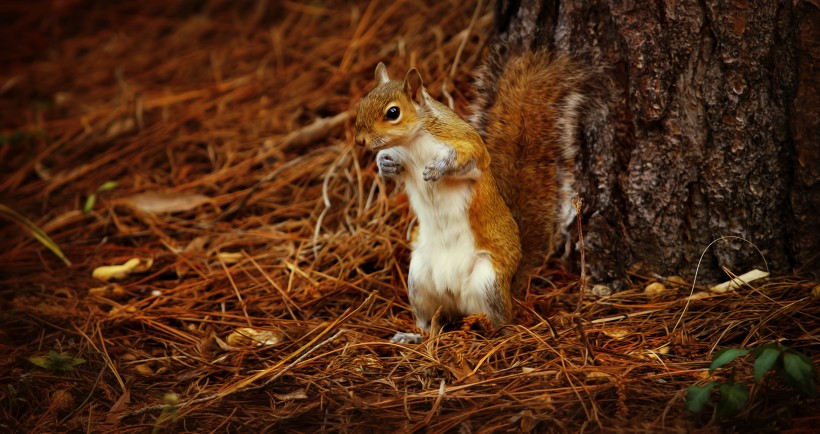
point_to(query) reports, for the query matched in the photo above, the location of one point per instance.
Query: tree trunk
(713, 132)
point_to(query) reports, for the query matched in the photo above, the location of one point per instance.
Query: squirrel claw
(440, 167)
(388, 165)
(434, 171)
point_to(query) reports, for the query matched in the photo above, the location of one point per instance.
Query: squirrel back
(528, 109)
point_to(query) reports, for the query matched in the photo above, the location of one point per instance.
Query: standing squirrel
(467, 249)
(478, 205)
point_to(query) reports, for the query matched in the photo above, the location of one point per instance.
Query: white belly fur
(446, 268)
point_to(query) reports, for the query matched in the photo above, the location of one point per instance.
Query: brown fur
(496, 232)
(529, 123)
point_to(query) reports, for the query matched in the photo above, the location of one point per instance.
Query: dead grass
(245, 104)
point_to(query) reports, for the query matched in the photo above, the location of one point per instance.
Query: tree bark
(713, 132)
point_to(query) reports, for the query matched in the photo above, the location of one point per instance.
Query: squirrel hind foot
(407, 338)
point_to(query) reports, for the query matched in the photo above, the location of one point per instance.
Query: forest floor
(211, 143)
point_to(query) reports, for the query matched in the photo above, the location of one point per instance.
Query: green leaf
(108, 185)
(798, 371)
(55, 361)
(90, 201)
(732, 398)
(723, 357)
(40, 361)
(765, 358)
(759, 350)
(698, 396)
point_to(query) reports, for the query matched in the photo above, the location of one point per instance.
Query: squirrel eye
(392, 113)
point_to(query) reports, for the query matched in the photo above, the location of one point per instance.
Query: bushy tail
(529, 106)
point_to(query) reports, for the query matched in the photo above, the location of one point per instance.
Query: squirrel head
(389, 114)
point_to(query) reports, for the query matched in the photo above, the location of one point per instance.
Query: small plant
(91, 200)
(794, 368)
(55, 361)
(170, 412)
(13, 401)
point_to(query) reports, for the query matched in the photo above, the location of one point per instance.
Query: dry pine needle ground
(278, 258)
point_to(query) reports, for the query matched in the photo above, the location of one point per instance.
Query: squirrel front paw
(440, 167)
(389, 164)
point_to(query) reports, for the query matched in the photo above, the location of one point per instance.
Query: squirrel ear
(381, 74)
(414, 86)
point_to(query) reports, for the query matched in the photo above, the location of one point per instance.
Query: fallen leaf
(143, 369)
(676, 280)
(193, 252)
(598, 375)
(601, 290)
(367, 364)
(224, 345)
(113, 413)
(156, 202)
(196, 247)
(296, 394)
(527, 421)
(116, 310)
(120, 127)
(247, 336)
(616, 333)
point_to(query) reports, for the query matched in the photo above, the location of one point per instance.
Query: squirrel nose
(360, 140)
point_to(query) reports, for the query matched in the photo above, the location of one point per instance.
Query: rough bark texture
(713, 131)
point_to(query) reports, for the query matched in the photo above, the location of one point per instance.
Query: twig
(579, 322)
(577, 202)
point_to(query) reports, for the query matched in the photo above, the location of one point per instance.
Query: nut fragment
(116, 272)
(61, 399)
(655, 288)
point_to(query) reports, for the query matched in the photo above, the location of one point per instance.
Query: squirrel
(466, 248)
(480, 208)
